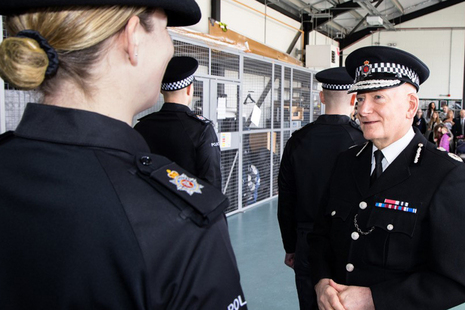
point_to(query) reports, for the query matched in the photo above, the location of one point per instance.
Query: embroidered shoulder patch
(202, 119)
(184, 183)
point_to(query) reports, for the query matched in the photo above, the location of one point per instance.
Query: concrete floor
(268, 284)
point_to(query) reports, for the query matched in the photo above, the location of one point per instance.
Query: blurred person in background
(430, 111)
(420, 122)
(433, 122)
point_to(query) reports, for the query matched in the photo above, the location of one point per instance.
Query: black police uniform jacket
(306, 166)
(90, 220)
(187, 139)
(411, 256)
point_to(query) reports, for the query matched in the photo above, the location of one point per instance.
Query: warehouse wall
(242, 17)
(438, 39)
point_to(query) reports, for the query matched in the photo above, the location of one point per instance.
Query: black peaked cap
(179, 73)
(380, 67)
(335, 79)
(179, 12)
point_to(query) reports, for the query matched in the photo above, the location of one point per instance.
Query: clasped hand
(334, 296)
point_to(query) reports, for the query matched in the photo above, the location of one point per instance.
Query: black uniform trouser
(305, 287)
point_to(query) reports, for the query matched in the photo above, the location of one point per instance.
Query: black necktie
(378, 166)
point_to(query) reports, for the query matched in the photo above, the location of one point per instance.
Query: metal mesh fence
(257, 84)
(301, 104)
(225, 65)
(230, 164)
(227, 111)
(287, 97)
(256, 167)
(276, 162)
(277, 97)
(316, 105)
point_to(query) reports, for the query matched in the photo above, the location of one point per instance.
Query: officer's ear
(352, 99)
(190, 89)
(413, 102)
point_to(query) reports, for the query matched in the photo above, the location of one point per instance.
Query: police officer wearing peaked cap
(306, 167)
(390, 235)
(89, 218)
(178, 133)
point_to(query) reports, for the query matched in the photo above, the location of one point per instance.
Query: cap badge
(184, 183)
(366, 69)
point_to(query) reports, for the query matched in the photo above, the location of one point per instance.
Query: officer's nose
(365, 107)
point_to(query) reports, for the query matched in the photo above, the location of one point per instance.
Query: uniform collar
(176, 107)
(78, 127)
(333, 119)
(394, 149)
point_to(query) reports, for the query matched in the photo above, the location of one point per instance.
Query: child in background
(444, 137)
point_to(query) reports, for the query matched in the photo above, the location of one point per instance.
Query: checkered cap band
(397, 69)
(178, 84)
(336, 86)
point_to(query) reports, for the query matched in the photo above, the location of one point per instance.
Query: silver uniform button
(390, 227)
(363, 205)
(333, 213)
(350, 267)
(355, 235)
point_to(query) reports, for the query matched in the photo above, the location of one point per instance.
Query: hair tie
(49, 50)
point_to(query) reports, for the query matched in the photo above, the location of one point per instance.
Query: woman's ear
(131, 33)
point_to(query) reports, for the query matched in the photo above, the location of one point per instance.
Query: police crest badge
(184, 183)
(366, 69)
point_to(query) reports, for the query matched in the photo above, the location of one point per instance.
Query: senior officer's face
(386, 115)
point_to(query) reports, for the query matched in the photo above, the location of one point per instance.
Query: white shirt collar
(393, 150)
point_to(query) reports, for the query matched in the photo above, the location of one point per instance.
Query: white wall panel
(438, 39)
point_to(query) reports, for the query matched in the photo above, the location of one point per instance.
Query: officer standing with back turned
(305, 170)
(178, 133)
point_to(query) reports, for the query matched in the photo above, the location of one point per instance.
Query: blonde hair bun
(23, 62)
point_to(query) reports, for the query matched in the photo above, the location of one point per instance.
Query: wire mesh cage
(227, 112)
(301, 103)
(230, 163)
(287, 97)
(257, 84)
(256, 170)
(277, 97)
(225, 64)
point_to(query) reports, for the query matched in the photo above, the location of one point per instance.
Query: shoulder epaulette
(197, 199)
(6, 136)
(201, 118)
(362, 149)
